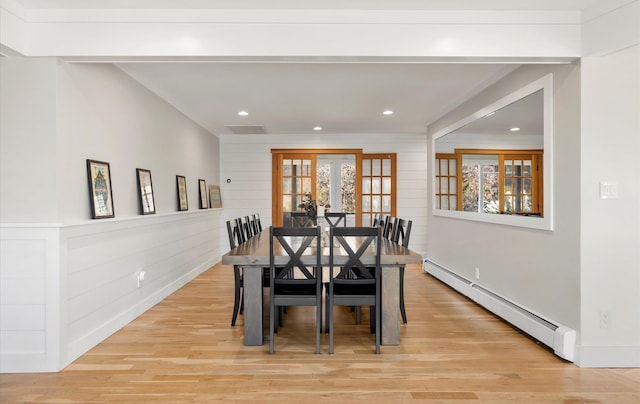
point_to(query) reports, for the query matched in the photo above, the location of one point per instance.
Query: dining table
(253, 256)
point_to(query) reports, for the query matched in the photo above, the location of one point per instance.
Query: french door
(295, 173)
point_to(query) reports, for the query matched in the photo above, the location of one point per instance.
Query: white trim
(608, 356)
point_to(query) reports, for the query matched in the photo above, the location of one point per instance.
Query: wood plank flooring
(183, 350)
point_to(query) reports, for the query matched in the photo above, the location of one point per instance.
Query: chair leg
(403, 312)
(237, 297)
(330, 319)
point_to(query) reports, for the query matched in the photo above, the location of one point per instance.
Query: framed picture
(182, 192)
(202, 187)
(214, 196)
(101, 198)
(145, 192)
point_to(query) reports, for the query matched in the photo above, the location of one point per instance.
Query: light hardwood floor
(184, 351)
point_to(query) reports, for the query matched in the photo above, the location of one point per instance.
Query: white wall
(610, 237)
(68, 282)
(246, 161)
(538, 269)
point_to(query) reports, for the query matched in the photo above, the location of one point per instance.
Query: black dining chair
(351, 283)
(401, 236)
(238, 302)
(301, 219)
(258, 222)
(296, 283)
(336, 219)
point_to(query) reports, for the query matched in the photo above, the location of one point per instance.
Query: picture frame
(181, 183)
(202, 188)
(145, 192)
(215, 197)
(100, 192)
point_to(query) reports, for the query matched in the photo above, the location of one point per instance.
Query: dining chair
(248, 227)
(295, 283)
(348, 290)
(389, 226)
(301, 219)
(258, 222)
(401, 236)
(238, 303)
(254, 224)
(335, 219)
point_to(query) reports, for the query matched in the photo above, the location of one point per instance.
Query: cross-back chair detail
(336, 219)
(297, 283)
(363, 289)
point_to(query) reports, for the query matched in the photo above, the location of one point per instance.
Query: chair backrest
(254, 224)
(258, 222)
(232, 230)
(376, 218)
(402, 232)
(295, 242)
(301, 219)
(334, 219)
(389, 226)
(241, 235)
(344, 237)
(248, 227)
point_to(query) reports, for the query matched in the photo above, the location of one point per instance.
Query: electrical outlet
(605, 319)
(477, 273)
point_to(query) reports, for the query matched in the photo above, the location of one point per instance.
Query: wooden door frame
(276, 185)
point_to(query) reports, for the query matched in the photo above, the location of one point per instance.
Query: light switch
(608, 190)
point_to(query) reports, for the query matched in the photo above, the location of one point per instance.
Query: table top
(255, 252)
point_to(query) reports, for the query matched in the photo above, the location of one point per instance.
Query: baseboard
(608, 356)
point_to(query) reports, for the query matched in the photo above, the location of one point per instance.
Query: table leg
(390, 313)
(253, 306)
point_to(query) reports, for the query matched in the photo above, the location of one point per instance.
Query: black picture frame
(145, 192)
(100, 191)
(202, 189)
(181, 183)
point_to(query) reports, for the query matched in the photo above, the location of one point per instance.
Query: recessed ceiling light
(317, 128)
(243, 113)
(514, 129)
(387, 112)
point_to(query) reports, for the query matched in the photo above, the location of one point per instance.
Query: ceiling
(341, 96)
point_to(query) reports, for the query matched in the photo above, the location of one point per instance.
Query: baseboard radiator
(560, 338)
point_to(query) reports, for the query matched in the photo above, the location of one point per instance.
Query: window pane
(443, 167)
(386, 167)
(386, 185)
(527, 168)
(306, 171)
(297, 186)
(297, 167)
(286, 185)
(508, 189)
(366, 203)
(375, 186)
(444, 203)
(348, 187)
(375, 204)
(366, 219)
(452, 185)
(526, 204)
(527, 186)
(386, 203)
(366, 167)
(286, 203)
(366, 185)
(286, 168)
(517, 168)
(297, 200)
(375, 167)
(508, 204)
(453, 202)
(452, 167)
(444, 185)
(306, 185)
(508, 168)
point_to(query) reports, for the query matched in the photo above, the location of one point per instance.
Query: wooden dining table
(253, 256)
